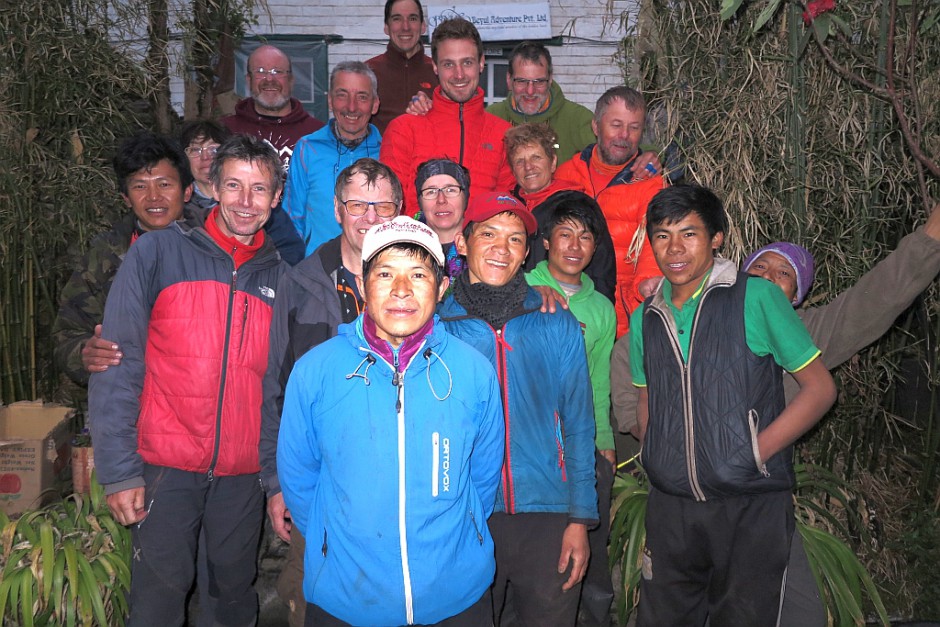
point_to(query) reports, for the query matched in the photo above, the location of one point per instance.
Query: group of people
(395, 333)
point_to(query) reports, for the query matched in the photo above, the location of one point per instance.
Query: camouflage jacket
(81, 301)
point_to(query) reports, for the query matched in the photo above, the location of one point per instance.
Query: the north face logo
(266, 291)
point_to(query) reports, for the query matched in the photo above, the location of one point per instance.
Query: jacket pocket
(752, 419)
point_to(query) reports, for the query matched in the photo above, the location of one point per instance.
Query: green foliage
(65, 564)
(820, 497)
(808, 143)
(67, 96)
(627, 536)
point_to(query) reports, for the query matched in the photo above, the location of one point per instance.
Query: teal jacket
(598, 324)
(570, 121)
(308, 196)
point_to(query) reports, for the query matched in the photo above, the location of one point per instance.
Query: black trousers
(480, 614)
(229, 510)
(597, 589)
(527, 550)
(725, 559)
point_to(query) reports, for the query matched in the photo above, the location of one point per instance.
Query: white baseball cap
(401, 230)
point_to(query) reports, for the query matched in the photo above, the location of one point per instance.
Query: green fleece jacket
(598, 324)
(570, 121)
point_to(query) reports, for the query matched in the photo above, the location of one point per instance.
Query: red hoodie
(280, 132)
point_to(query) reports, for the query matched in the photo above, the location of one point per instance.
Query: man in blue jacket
(319, 157)
(547, 499)
(407, 541)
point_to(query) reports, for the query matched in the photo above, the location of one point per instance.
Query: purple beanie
(799, 258)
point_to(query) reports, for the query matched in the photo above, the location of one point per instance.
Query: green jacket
(598, 324)
(570, 121)
(81, 301)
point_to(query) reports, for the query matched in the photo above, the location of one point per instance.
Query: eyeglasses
(199, 151)
(449, 191)
(383, 209)
(260, 72)
(522, 83)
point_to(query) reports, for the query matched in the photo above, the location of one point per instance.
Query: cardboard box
(34, 450)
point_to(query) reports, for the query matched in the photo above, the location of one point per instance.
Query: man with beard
(271, 113)
(604, 171)
(319, 157)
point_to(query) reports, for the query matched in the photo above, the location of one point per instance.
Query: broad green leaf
(48, 558)
(729, 8)
(766, 14)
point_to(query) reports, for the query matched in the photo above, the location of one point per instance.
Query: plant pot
(83, 463)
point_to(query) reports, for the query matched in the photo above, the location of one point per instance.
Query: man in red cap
(546, 500)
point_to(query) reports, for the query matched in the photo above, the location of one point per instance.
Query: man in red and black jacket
(176, 425)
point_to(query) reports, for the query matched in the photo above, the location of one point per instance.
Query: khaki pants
(290, 585)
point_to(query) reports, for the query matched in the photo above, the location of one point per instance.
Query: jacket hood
(558, 101)
(542, 276)
(724, 273)
(426, 357)
(245, 109)
(266, 255)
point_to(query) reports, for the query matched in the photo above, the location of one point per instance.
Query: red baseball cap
(485, 206)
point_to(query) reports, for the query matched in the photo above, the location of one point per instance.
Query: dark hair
(414, 250)
(674, 203)
(195, 130)
(540, 134)
(577, 207)
(252, 149)
(533, 52)
(632, 100)
(455, 28)
(142, 151)
(373, 171)
(390, 3)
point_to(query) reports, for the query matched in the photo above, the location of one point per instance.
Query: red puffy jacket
(463, 132)
(623, 201)
(194, 332)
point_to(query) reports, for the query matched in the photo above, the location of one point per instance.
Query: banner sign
(499, 22)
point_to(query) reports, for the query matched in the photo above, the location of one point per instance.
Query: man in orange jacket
(604, 170)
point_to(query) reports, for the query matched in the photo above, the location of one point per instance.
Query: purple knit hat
(799, 258)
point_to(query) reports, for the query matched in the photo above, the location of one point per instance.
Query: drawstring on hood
(365, 375)
(427, 354)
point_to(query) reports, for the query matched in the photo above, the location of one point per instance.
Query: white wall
(584, 65)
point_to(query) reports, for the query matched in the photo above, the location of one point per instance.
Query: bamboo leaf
(92, 591)
(729, 8)
(6, 584)
(765, 15)
(26, 600)
(71, 566)
(58, 581)
(48, 559)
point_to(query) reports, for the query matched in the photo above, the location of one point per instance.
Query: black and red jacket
(194, 333)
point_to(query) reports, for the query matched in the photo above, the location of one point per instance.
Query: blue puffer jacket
(548, 411)
(391, 476)
(308, 196)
